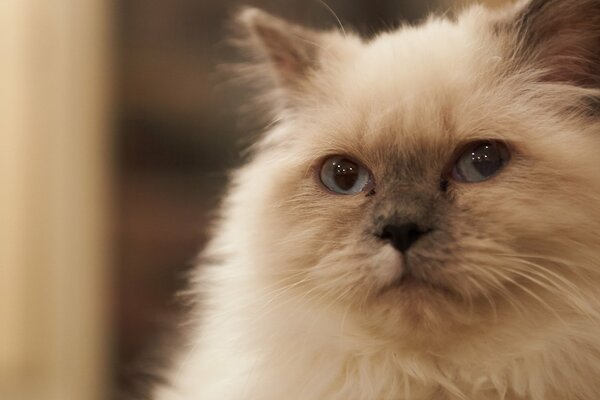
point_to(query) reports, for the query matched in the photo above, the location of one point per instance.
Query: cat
(421, 220)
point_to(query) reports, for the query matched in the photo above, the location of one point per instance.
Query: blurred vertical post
(54, 137)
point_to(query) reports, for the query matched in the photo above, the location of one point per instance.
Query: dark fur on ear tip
(291, 49)
(559, 37)
(282, 58)
(272, 63)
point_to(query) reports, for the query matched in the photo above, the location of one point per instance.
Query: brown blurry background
(117, 132)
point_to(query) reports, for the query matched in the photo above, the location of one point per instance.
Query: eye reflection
(344, 176)
(481, 161)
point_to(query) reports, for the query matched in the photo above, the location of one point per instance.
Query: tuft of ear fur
(286, 59)
(559, 38)
(292, 51)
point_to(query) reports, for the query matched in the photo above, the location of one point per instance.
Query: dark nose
(402, 236)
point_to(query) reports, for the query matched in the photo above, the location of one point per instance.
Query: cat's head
(434, 176)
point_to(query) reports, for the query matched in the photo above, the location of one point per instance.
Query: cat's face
(430, 177)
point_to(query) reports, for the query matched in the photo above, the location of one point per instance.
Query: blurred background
(116, 133)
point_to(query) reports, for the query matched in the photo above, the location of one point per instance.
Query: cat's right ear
(285, 57)
(559, 38)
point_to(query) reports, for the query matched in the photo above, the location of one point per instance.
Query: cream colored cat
(420, 222)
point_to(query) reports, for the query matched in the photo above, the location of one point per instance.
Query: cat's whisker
(339, 22)
(502, 290)
(575, 297)
(548, 271)
(278, 293)
(561, 285)
(541, 301)
(577, 270)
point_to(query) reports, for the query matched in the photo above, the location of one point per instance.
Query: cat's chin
(410, 283)
(412, 302)
(413, 313)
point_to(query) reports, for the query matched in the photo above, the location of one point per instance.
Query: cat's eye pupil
(481, 161)
(346, 174)
(486, 160)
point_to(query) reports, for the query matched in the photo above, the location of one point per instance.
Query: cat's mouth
(409, 281)
(412, 280)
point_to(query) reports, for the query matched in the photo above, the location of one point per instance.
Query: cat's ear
(559, 38)
(292, 51)
(286, 56)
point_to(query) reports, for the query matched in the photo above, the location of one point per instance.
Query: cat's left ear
(286, 56)
(558, 38)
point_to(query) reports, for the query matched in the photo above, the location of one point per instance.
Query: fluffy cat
(421, 221)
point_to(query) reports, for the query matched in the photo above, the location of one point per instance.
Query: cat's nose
(402, 236)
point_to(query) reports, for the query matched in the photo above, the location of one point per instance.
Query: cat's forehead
(414, 56)
(417, 58)
(411, 88)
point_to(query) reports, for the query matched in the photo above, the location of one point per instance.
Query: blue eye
(344, 176)
(481, 161)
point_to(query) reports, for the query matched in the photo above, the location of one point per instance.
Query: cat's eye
(480, 161)
(343, 175)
